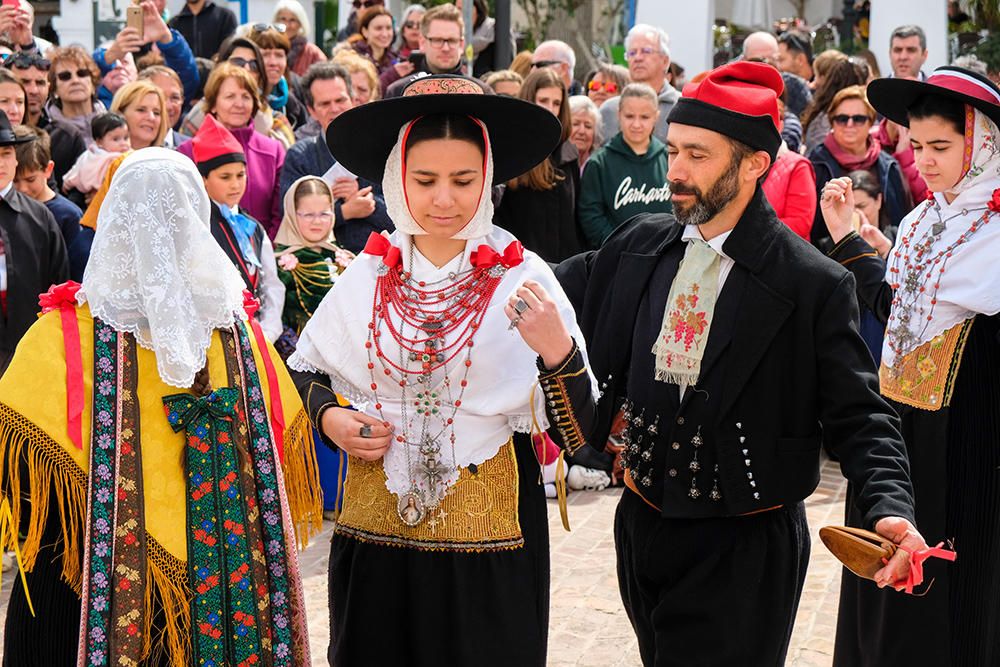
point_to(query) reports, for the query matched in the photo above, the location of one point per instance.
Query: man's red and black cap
(893, 97)
(215, 146)
(739, 100)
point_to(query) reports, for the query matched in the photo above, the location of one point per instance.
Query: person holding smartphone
(442, 43)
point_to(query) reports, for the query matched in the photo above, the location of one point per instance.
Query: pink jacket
(790, 188)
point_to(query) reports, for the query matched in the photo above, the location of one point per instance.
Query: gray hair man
(647, 50)
(560, 57)
(908, 52)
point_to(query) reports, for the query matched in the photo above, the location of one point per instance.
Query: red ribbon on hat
(379, 245)
(251, 305)
(63, 298)
(486, 257)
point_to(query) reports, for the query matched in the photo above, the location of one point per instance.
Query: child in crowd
(111, 139)
(223, 166)
(34, 169)
(309, 262)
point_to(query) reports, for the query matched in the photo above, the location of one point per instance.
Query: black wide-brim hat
(521, 134)
(893, 97)
(7, 136)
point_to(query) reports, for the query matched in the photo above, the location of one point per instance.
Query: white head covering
(394, 191)
(155, 270)
(970, 281)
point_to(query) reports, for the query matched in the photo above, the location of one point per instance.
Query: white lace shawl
(155, 270)
(502, 377)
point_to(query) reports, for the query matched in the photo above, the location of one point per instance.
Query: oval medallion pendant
(410, 509)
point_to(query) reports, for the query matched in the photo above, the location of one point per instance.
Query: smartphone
(133, 18)
(415, 57)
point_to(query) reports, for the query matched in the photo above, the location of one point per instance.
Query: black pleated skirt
(410, 608)
(955, 464)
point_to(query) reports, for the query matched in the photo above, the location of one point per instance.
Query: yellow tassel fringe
(301, 474)
(51, 469)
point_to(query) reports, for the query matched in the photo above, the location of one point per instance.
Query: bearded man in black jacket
(733, 347)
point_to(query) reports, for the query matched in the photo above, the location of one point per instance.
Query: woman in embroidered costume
(156, 389)
(438, 335)
(938, 293)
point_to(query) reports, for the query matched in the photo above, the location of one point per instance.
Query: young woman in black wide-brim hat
(437, 335)
(938, 293)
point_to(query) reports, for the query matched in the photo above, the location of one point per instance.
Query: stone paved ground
(588, 626)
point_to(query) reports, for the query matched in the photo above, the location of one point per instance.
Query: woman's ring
(520, 306)
(366, 431)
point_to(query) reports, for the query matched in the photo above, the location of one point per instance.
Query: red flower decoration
(994, 203)
(929, 196)
(59, 296)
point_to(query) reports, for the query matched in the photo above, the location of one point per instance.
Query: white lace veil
(155, 270)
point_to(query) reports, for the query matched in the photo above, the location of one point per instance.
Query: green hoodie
(618, 184)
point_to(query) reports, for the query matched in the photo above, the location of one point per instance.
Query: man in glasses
(647, 50)
(763, 47)
(560, 57)
(442, 42)
(205, 25)
(795, 54)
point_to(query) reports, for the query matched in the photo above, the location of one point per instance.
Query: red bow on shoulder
(379, 245)
(63, 298)
(994, 203)
(486, 257)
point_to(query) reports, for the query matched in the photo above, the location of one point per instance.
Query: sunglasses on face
(411, 25)
(597, 86)
(358, 4)
(245, 64)
(546, 63)
(844, 119)
(66, 75)
(264, 27)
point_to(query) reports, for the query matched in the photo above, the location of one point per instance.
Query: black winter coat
(544, 221)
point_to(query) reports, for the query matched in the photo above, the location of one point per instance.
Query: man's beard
(707, 206)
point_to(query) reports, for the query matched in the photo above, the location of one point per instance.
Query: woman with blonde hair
(145, 110)
(365, 86)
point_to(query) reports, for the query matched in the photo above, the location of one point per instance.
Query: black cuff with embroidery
(569, 400)
(851, 248)
(317, 396)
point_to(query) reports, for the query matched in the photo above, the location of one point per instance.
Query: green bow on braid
(223, 611)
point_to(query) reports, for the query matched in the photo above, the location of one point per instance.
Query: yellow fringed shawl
(33, 425)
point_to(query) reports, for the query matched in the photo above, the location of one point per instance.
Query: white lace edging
(358, 399)
(523, 423)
